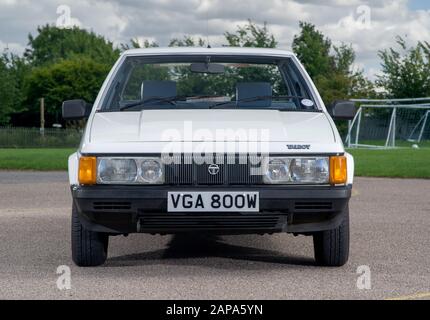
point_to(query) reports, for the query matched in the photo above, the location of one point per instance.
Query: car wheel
(89, 248)
(331, 247)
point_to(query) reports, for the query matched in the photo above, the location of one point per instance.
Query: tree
(347, 82)
(8, 92)
(251, 35)
(135, 44)
(78, 78)
(313, 50)
(331, 67)
(60, 64)
(12, 72)
(187, 41)
(406, 73)
(53, 44)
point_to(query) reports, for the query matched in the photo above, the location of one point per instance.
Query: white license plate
(213, 202)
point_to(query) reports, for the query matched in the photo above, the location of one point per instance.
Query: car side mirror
(76, 109)
(343, 110)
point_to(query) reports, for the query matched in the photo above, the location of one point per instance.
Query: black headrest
(158, 89)
(250, 90)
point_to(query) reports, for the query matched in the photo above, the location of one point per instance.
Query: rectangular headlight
(296, 170)
(129, 170)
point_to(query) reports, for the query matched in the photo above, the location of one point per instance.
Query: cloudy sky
(367, 25)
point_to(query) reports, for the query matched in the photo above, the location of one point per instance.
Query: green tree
(406, 72)
(343, 81)
(331, 67)
(251, 35)
(12, 72)
(53, 44)
(135, 44)
(78, 78)
(313, 50)
(257, 36)
(61, 64)
(187, 41)
(190, 83)
(8, 92)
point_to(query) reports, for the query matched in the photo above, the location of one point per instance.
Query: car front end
(127, 194)
(227, 141)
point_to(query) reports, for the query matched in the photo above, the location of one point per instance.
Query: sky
(368, 25)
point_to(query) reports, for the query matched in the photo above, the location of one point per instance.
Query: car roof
(209, 51)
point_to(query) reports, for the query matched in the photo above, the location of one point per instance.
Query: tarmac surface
(390, 236)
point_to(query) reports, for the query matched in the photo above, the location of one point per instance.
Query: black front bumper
(130, 209)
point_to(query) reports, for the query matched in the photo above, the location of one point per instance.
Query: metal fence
(17, 137)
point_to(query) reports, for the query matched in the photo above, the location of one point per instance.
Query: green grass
(397, 163)
(399, 143)
(34, 159)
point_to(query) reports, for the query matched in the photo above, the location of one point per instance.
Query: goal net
(390, 124)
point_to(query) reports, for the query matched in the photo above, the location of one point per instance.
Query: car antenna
(207, 29)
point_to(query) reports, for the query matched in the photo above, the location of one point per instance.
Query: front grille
(233, 170)
(207, 222)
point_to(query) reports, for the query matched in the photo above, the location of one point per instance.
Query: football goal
(390, 124)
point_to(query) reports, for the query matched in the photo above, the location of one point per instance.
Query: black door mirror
(76, 109)
(343, 110)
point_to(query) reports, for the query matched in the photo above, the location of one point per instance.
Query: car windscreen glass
(191, 81)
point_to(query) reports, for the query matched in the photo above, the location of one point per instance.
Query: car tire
(89, 248)
(331, 247)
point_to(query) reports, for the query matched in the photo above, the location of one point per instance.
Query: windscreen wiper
(170, 100)
(252, 99)
(142, 103)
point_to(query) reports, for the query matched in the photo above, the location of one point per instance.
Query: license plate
(213, 202)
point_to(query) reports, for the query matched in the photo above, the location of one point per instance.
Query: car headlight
(278, 170)
(310, 170)
(151, 171)
(116, 170)
(297, 170)
(129, 171)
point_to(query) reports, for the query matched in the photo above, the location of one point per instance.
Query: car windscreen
(193, 81)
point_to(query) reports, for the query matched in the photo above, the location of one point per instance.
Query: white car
(212, 140)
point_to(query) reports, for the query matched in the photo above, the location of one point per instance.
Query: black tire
(89, 248)
(331, 247)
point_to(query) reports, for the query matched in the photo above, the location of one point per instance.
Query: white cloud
(11, 47)
(160, 20)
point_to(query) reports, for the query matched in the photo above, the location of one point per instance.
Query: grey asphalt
(390, 223)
